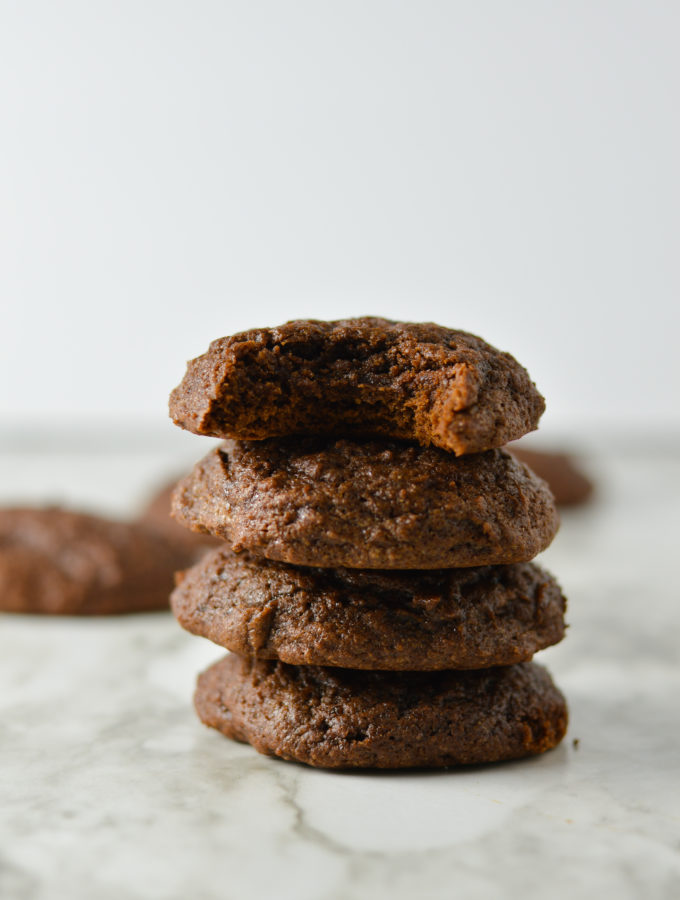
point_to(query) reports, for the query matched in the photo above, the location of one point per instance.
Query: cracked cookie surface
(342, 718)
(375, 504)
(371, 619)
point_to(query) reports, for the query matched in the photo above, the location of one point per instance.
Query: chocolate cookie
(439, 619)
(568, 484)
(189, 545)
(360, 378)
(341, 718)
(58, 562)
(376, 504)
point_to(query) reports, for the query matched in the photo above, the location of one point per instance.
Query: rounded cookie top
(359, 377)
(58, 562)
(375, 504)
(341, 718)
(371, 619)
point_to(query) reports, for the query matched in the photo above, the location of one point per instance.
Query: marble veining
(111, 788)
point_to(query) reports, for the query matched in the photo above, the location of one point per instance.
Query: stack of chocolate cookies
(375, 586)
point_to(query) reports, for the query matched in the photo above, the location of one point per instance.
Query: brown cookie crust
(560, 471)
(359, 377)
(341, 718)
(375, 504)
(58, 562)
(438, 619)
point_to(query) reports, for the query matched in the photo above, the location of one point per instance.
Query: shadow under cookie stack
(375, 585)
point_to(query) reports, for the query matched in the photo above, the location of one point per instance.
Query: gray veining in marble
(111, 788)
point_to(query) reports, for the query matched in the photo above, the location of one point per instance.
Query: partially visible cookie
(566, 481)
(58, 562)
(371, 619)
(342, 718)
(190, 545)
(375, 504)
(359, 377)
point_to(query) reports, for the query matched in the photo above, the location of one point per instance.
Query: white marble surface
(111, 788)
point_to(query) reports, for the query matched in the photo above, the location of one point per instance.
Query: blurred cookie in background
(55, 561)
(565, 479)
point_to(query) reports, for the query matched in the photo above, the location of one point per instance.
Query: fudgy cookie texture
(374, 504)
(342, 718)
(566, 481)
(360, 378)
(59, 562)
(371, 619)
(190, 546)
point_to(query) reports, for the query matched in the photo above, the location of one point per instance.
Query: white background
(171, 172)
